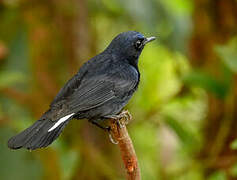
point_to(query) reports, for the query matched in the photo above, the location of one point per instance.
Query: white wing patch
(61, 120)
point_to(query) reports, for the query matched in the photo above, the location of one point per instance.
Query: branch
(120, 134)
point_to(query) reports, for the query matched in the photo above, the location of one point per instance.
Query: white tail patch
(61, 120)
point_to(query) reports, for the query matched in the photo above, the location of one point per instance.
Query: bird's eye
(138, 44)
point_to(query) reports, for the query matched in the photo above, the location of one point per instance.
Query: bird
(98, 91)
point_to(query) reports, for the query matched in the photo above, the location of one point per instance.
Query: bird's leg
(107, 128)
(123, 115)
(104, 128)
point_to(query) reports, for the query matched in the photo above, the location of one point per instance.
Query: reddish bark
(120, 134)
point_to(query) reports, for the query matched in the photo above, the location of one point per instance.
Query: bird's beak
(149, 39)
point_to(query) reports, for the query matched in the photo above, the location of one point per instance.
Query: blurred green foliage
(228, 54)
(43, 43)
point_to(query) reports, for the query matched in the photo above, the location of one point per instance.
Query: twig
(120, 134)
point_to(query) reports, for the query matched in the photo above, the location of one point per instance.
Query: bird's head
(129, 45)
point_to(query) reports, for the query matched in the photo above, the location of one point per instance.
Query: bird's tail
(36, 136)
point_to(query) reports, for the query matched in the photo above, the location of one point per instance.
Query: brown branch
(120, 134)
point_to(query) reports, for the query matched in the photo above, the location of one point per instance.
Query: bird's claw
(120, 124)
(126, 115)
(122, 119)
(112, 139)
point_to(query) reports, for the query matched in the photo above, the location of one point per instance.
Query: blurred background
(184, 113)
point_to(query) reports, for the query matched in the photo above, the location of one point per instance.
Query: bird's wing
(92, 90)
(70, 86)
(92, 93)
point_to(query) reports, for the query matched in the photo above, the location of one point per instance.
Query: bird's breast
(127, 83)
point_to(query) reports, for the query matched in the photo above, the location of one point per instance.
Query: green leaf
(234, 145)
(11, 78)
(219, 175)
(185, 135)
(233, 170)
(178, 7)
(228, 54)
(207, 82)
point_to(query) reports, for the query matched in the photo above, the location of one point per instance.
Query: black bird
(100, 89)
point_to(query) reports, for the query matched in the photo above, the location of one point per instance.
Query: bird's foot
(112, 139)
(122, 119)
(117, 119)
(107, 128)
(126, 116)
